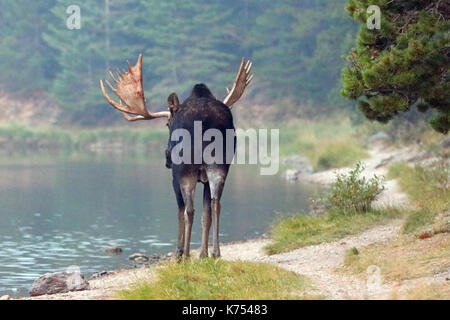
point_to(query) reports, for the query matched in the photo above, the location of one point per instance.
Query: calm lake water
(57, 212)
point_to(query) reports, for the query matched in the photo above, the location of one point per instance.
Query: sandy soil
(318, 262)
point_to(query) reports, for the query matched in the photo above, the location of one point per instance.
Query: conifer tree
(404, 64)
(184, 43)
(105, 39)
(296, 47)
(26, 61)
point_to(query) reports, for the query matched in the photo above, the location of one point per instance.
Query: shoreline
(316, 261)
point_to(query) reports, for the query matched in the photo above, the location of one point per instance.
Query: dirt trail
(378, 163)
(318, 262)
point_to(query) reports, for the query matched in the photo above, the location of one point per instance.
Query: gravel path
(319, 262)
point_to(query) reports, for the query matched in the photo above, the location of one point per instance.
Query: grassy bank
(303, 230)
(403, 259)
(327, 143)
(216, 279)
(408, 259)
(17, 137)
(427, 188)
(422, 252)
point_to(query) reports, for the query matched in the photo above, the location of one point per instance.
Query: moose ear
(174, 103)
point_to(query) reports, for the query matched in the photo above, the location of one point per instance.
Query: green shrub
(354, 193)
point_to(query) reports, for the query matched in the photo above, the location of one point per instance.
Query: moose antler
(240, 83)
(130, 91)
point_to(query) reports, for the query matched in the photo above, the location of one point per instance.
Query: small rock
(100, 274)
(114, 250)
(291, 175)
(298, 162)
(139, 258)
(58, 282)
(5, 297)
(446, 142)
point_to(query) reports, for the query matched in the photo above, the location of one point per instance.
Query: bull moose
(202, 106)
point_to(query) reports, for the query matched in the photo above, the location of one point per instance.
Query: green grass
(327, 143)
(216, 279)
(303, 230)
(18, 133)
(124, 134)
(338, 153)
(417, 219)
(23, 137)
(427, 188)
(432, 291)
(403, 258)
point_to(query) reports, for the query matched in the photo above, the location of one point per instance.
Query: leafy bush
(354, 193)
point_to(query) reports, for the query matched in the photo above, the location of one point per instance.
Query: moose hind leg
(181, 240)
(181, 209)
(188, 197)
(206, 220)
(216, 183)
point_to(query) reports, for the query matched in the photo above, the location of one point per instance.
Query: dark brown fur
(202, 106)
